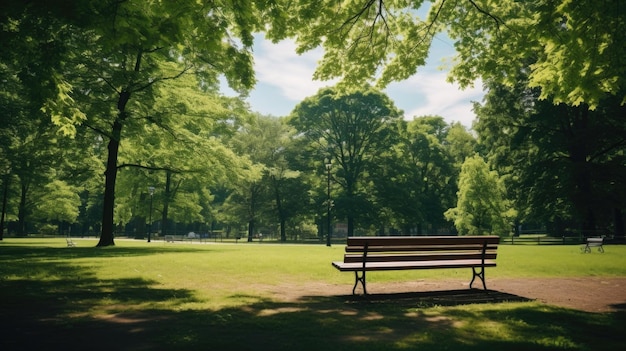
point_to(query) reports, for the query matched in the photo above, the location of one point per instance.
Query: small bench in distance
(593, 242)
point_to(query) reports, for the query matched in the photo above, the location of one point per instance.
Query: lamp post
(151, 191)
(328, 165)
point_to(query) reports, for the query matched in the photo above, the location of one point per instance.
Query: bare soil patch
(590, 294)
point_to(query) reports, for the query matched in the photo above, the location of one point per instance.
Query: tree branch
(617, 145)
(150, 168)
(430, 25)
(495, 18)
(349, 24)
(150, 83)
(97, 130)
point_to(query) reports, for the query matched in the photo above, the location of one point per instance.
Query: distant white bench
(593, 242)
(172, 238)
(69, 242)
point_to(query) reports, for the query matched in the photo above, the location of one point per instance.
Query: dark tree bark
(281, 213)
(108, 228)
(619, 224)
(250, 230)
(166, 202)
(5, 196)
(21, 213)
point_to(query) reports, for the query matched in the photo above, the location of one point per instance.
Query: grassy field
(157, 296)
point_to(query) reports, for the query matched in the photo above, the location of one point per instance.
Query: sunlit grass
(217, 272)
(202, 296)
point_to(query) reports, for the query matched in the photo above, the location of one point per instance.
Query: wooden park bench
(593, 242)
(365, 254)
(172, 238)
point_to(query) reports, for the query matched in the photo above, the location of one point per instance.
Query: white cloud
(438, 97)
(280, 70)
(279, 65)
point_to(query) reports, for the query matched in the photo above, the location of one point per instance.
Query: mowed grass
(157, 296)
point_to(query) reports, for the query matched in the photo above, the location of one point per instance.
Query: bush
(49, 229)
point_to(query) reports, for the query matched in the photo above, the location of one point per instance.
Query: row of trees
(269, 172)
(387, 175)
(130, 88)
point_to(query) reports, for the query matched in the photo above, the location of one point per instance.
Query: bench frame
(365, 254)
(593, 242)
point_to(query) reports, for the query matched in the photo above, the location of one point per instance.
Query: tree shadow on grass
(456, 297)
(61, 253)
(439, 320)
(619, 306)
(78, 311)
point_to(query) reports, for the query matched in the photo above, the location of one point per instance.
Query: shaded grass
(197, 297)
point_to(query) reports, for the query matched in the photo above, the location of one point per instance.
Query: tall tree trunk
(252, 212)
(5, 196)
(350, 185)
(250, 230)
(619, 224)
(283, 232)
(583, 199)
(350, 225)
(21, 212)
(108, 228)
(281, 212)
(166, 202)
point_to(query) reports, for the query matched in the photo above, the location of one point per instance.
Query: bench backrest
(595, 241)
(421, 248)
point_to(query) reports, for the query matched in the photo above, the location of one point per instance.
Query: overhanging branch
(497, 20)
(150, 168)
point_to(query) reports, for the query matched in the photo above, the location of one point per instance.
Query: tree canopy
(573, 50)
(350, 129)
(562, 164)
(132, 88)
(112, 56)
(481, 207)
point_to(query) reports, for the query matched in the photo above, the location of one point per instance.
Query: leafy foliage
(133, 88)
(416, 182)
(481, 207)
(114, 59)
(563, 165)
(351, 130)
(574, 49)
(60, 202)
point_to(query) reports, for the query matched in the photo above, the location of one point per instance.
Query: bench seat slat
(388, 266)
(349, 258)
(451, 247)
(417, 240)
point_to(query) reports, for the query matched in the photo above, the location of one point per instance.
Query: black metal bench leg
(480, 275)
(358, 279)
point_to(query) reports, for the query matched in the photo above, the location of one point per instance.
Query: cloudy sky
(285, 79)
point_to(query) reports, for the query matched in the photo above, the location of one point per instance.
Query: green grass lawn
(157, 296)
